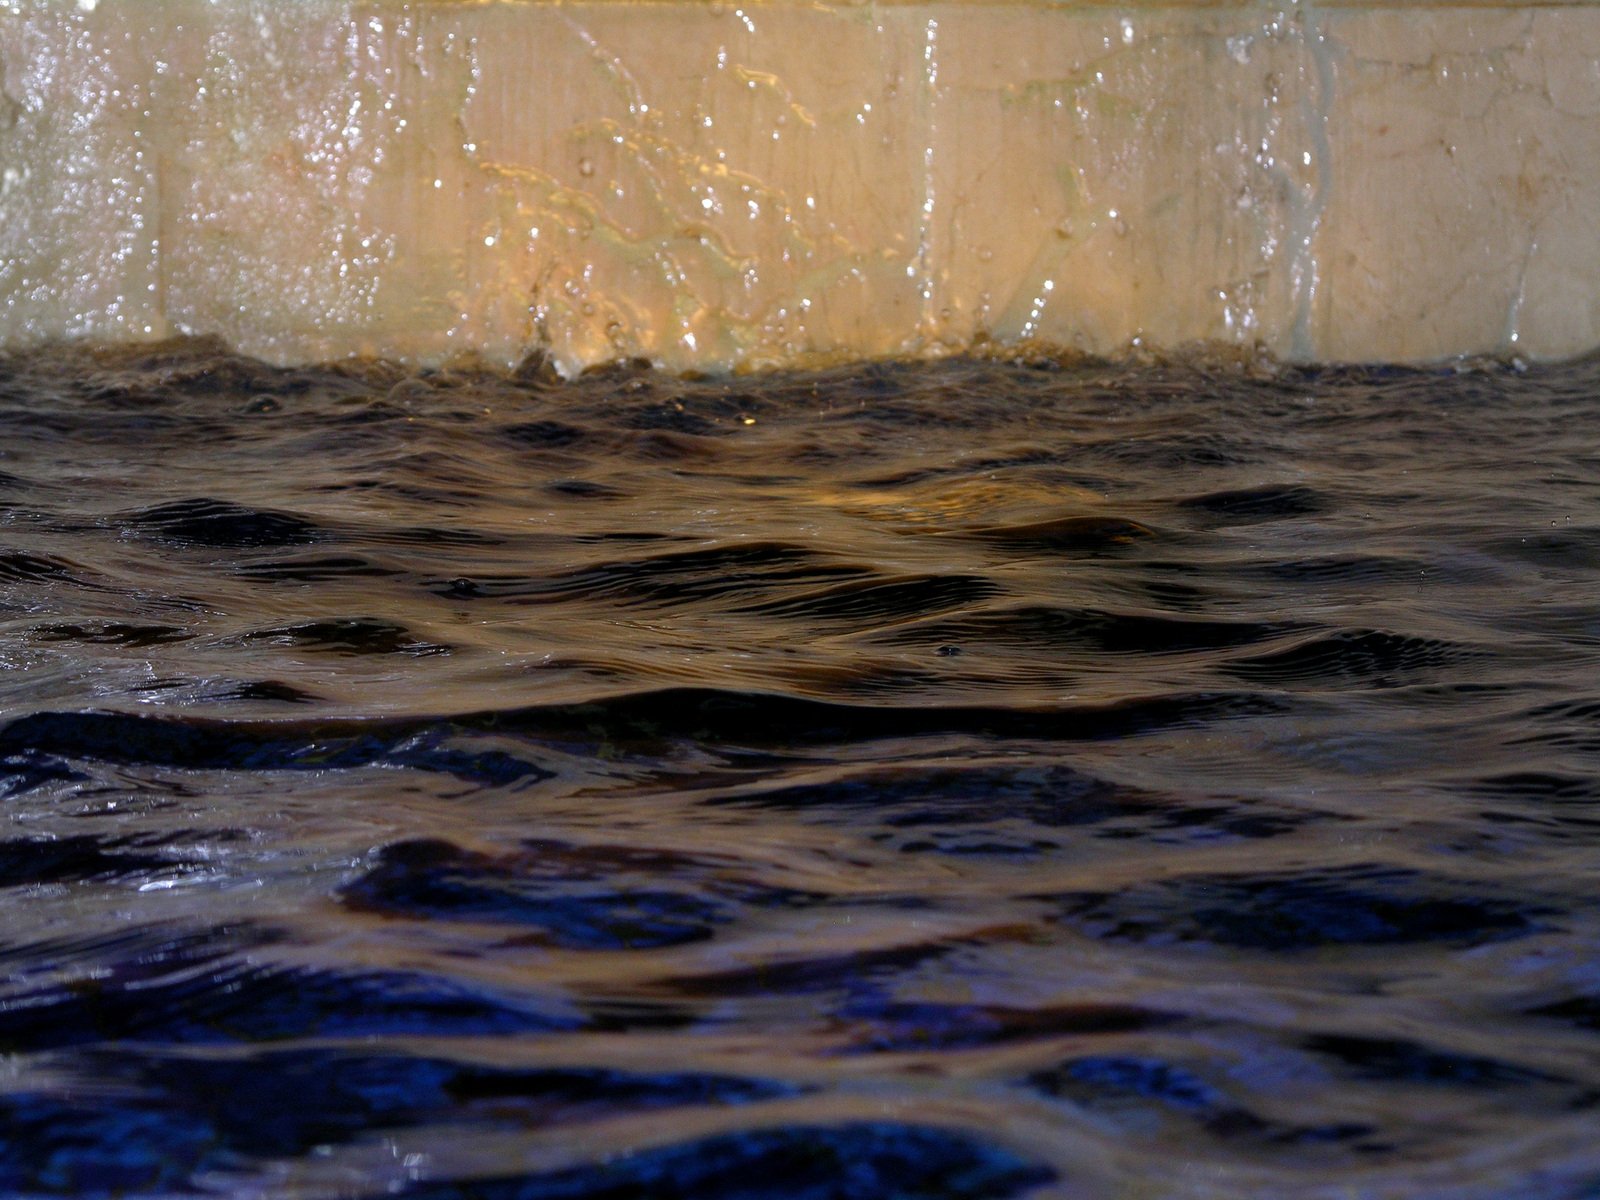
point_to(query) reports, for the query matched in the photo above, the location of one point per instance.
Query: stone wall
(714, 184)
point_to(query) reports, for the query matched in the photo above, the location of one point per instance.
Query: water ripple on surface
(1308, 910)
(990, 777)
(863, 1161)
(221, 523)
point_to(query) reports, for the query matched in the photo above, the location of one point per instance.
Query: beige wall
(714, 184)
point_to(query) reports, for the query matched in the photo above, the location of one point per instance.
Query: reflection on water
(961, 780)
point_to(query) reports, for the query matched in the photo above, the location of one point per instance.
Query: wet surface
(975, 779)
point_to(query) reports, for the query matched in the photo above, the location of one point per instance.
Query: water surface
(970, 779)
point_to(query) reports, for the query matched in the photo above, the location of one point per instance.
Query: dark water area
(970, 779)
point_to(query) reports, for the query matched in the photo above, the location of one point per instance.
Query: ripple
(1541, 786)
(903, 1027)
(1571, 549)
(1396, 1060)
(164, 1118)
(1269, 502)
(575, 898)
(47, 738)
(880, 601)
(200, 990)
(723, 716)
(1333, 570)
(546, 435)
(866, 1161)
(1099, 630)
(687, 576)
(1306, 910)
(20, 567)
(314, 569)
(1074, 533)
(112, 633)
(1370, 658)
(1139, 1092)
(23, 769)
(1012, 809)
(26, 861)
(349, 635)
(222, 524)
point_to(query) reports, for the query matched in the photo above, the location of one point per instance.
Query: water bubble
(586, 167)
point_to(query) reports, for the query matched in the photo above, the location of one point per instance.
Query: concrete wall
(717, 184)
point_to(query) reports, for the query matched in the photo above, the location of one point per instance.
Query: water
(969, 779)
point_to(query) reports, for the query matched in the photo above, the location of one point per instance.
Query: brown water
(957, 780)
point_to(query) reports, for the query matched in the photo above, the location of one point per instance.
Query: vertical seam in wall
(151, 128)
(1512, 335)
(924, 265)
(1305, 273)
(161, 249)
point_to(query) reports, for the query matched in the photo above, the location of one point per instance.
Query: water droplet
(586, 167)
